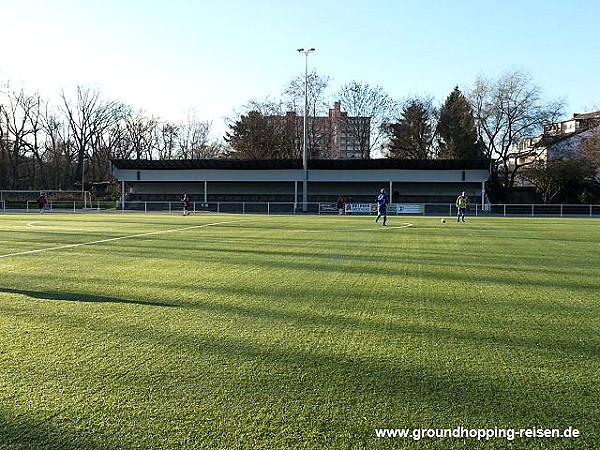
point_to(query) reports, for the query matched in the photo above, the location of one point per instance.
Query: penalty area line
(119, 238)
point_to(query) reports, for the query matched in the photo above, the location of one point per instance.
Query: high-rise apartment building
(335, 136)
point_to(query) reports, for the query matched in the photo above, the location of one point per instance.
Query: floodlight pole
(305, 132)
(83, 181)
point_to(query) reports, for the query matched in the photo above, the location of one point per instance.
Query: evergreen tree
(411, 137)
(457, 135)
(256, 136)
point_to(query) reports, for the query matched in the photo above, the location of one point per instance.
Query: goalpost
(23, 199)
(87, 200)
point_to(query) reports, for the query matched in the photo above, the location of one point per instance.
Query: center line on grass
(132, 236)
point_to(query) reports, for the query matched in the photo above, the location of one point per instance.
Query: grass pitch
(130, 331)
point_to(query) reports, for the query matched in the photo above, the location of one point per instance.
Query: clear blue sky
(168, 57)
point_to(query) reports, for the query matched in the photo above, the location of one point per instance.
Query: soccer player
(462, 203)
(341, 201)
(185, 201)
(382, 202)
(41, 201)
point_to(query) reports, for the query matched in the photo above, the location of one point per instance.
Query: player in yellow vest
(462, 203)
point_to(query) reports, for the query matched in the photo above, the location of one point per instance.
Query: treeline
(61, 146)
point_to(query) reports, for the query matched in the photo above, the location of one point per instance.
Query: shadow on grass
(327, 393)
(427, 266)
(76, 297)
(367, 392)
(496, 335)
(25, 435)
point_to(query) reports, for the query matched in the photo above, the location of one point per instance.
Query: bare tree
(119, 141)
(88, 118)
(319, 132)
(141, 132)
(4, 160)
(194, 138)
(266, 107)
(38, 150)
(368, 108)
(19, 136)
(506, 110)
(317, 86)
(59, 158)
(166, 140)
(563, 180)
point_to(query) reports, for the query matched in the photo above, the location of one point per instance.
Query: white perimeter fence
(413, 209)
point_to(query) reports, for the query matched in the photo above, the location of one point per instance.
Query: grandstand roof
(281, 164)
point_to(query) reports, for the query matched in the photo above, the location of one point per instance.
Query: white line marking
(101, 241)
(381, 227)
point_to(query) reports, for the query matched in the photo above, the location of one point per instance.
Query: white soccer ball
(443, 220)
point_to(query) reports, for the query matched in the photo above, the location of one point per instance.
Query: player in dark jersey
(185, 201)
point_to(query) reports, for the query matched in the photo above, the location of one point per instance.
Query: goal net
(19, 199)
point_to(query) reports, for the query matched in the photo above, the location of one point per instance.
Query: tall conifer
(457, 135)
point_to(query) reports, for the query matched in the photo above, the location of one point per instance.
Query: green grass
(277, 332)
